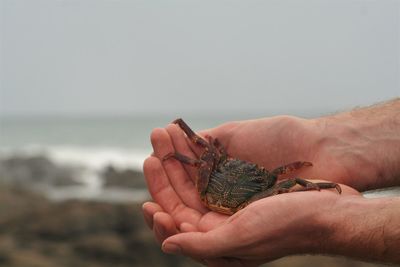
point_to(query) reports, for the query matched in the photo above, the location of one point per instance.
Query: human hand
(268, 229)
(180, 210)
(178, 207)
(358, 148)
(343, 149)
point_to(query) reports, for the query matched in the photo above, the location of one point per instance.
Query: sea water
(90, 143)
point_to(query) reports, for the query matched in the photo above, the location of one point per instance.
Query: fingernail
(171, 248)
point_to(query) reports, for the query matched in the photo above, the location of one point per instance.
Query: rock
(122, 178)
(32, 171)
(40, 233)
(105, 246)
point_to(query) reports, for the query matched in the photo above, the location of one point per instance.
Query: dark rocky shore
(38, 170)
(36, 232)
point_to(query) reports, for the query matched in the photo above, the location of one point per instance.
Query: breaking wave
(87, 165)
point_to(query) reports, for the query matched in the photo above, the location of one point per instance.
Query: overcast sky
(76, 57)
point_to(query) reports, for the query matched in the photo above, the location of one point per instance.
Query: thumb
(216, 243)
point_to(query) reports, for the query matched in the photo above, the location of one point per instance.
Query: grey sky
(117, 56)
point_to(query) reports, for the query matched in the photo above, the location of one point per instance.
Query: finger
(177, 175)
(149, 209)
(164, 226)
(187, 227)
(194, 148)
(161, 142)
(161, 191)
(219, 247)
(213, 244)
(180, 177)
(209, 221)
(158, 184)
(179, 142)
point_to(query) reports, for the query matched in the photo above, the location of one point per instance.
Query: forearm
(367, 140)
(366, 229)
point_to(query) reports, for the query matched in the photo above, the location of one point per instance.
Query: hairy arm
(361, 228)
(366, 142)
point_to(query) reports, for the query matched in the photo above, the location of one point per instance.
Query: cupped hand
(176, 207)
(179, 210)
(267, 229)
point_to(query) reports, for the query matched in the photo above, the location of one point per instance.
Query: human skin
(360, 148)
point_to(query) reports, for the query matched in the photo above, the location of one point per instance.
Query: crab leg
(220, 148)
(184, 159)
(286, 186)
(311, 186)
(190, 134)
(290, 167)
(204, 170)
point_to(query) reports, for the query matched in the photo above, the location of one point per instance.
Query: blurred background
(83, 83)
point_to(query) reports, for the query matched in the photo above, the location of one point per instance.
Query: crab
(227, 185)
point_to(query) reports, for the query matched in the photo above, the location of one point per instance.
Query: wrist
(367, 148)
(361, 228)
